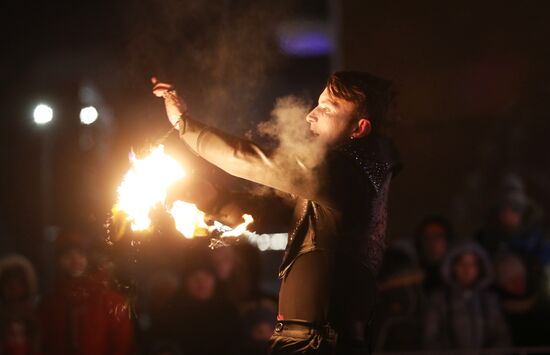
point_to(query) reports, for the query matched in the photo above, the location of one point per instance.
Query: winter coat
(401, 304)
(529, 240)
(199, 327)
(459, 318)
(18, 319)
(84, 316)
(521, 314)
(20, 262)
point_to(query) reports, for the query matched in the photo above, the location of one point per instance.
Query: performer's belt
(303, 329)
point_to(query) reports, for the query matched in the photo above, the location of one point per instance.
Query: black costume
(337, 214)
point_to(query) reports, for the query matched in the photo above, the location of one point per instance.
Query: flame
(144, 186)
(241, 228)
(189, 219)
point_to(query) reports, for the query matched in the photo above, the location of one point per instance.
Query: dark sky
(473, 81)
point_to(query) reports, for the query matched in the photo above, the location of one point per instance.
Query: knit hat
(512, 193)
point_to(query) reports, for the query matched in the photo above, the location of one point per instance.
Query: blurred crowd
(440, 291)
(171, 296)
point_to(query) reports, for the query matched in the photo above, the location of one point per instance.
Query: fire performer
(337, 216)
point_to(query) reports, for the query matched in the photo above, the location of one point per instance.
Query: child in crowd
(465, 314)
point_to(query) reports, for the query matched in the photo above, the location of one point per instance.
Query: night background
(472, 77)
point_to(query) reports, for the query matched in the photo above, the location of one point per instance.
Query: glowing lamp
(42, 114)
(88, 115)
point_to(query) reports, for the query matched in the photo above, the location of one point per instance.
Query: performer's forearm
(247, 160)
(237, 157)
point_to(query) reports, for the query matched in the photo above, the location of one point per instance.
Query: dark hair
(438, 220)
(429, 220)
(373, 96)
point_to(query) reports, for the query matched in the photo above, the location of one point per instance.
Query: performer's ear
(362, 128)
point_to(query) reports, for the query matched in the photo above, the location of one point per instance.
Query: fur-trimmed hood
(18, 261)
(486, 269)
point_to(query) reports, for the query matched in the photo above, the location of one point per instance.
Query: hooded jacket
(17, 261)
(85, 316)
(21, 311)
(401, 306)
(465, 318)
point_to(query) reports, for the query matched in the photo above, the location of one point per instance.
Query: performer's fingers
(160, 88)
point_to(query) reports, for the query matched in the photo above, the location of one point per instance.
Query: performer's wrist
(169, 93)
(181, 124)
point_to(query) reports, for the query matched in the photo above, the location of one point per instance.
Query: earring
(351, 137)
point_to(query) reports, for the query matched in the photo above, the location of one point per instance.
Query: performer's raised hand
(176, 107)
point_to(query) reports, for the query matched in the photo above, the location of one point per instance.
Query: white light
(42, 114)
(278, 241)
(88, 115)
(265, 242)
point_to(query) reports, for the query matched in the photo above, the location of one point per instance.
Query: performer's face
(332, 120)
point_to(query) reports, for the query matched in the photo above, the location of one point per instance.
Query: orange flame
(189, 219)
(240, 229)
(145, 186)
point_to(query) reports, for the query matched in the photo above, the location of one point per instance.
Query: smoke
(221, 55)
(218, 53)
(288, 127)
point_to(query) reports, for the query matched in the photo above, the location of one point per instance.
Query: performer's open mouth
(313, 133)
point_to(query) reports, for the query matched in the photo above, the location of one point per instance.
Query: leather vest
(355, 232)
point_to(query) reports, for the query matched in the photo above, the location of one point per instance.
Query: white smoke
(296, 145)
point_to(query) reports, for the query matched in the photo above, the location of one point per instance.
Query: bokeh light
(88, 115)
(42, 114)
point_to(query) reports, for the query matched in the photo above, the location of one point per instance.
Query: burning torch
(146, 184)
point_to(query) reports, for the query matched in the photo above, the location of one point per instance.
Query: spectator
(258, 321)
(465, 314)
(84, 315)
(515, 224)
(401, 303)
(232, 273)
(200, 318)
(162, 290)
(432, 240)
(18, 293)
(238, 269)
(523, 302)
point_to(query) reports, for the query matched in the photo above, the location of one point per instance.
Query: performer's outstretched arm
(244, 159)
